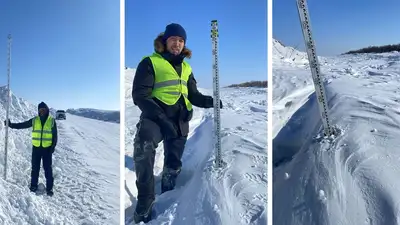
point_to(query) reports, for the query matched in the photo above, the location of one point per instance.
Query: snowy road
(85, 167)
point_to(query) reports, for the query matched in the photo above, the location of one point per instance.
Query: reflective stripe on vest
(168, 86)
(42, 136)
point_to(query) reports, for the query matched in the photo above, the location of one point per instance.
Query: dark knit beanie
(42, 105)
(174, 29)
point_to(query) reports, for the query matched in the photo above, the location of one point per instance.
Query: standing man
(44, 141)
(164, 89)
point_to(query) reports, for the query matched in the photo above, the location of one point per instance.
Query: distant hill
(104, 115)
(376, 49)
(251, 84)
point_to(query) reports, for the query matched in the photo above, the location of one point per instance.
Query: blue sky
(242, 41)
(65, 53)
(339, 26)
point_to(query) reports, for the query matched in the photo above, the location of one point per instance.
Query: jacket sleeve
(141, 90)
(197, 98)
(55, 135)
(23, 125)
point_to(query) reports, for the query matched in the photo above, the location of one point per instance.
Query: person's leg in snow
(48, 170)
(35, 163)
(173, 150)
(147, 137)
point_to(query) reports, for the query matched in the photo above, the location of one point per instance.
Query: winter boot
(143, 211)
(50, 193)
(168, 179)
(33, 188)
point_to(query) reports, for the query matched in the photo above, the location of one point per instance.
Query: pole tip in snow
(220, 164)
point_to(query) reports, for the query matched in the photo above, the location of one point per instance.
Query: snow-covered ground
(85, 167)
(350, 179)
(234, 195)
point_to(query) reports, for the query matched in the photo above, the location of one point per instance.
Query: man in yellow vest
(44, 141)
(164, 89)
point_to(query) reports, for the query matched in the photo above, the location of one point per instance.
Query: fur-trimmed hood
(160, 48)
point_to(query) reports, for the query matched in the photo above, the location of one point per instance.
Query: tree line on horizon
(375, 49)
(260, 84)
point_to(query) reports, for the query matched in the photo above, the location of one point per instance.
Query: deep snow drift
(234, 195)
(85, 167)
(353, 178)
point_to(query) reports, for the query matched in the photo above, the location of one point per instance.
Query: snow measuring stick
(217, 124)
(314, 65)
(8, 104)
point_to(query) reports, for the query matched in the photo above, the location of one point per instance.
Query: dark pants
(39, 154)
(147, 138)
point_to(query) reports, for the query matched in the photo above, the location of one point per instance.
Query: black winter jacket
(28, 124)
(152, 108)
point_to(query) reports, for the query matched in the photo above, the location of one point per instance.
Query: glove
(168, 128)
(52, 149)
(5, 122)
(210, 102)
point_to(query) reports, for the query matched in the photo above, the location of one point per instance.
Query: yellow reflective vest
(168, 85)
(42, 136)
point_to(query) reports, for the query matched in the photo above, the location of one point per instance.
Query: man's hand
(5, 122)
(210, 102)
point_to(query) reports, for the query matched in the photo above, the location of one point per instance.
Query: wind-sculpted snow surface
(350, 178)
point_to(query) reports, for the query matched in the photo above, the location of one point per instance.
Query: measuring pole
(217, 120)
(314, 66)
(8, 104)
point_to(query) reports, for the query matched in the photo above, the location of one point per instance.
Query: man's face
(175, 45)
(42, 111)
